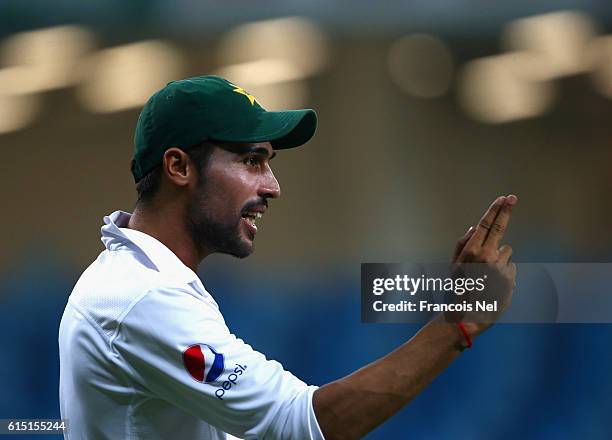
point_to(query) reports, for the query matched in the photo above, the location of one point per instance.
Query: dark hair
(148, 186)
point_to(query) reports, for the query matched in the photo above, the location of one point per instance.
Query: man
(144, 350)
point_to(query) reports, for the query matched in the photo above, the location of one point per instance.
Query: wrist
(473, 329)
(468, 328)
(466, 342)
(464, 332)
(459, 335)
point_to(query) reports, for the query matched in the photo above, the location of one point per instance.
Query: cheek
(224, 195)
(233, 185)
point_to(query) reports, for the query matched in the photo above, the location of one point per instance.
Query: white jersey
(145, 354)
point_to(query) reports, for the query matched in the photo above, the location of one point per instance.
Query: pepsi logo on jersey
(231, 380)
(203, 363)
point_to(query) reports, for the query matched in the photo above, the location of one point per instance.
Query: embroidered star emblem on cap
(240, 90)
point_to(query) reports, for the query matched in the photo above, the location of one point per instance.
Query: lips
(250, 216)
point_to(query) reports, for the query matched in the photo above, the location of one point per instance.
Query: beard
(214, 235)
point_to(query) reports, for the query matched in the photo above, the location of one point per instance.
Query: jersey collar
(116, 235)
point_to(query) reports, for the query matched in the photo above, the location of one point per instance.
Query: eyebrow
(261, 151)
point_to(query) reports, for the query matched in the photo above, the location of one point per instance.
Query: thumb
(462, 241)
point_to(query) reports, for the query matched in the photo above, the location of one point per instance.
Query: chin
(242, 254)
(241, 250)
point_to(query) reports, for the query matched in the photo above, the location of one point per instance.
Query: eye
(251, 161)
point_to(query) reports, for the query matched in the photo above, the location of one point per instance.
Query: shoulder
(116, 286)
(167, 301)
(166, 320)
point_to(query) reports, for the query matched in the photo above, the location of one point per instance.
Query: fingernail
(512, 199)
(499, 200)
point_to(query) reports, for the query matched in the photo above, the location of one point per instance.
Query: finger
(505, 252)
(462, 241)
(485, 223)
(500, 224)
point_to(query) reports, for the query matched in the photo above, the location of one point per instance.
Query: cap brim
(283, 129)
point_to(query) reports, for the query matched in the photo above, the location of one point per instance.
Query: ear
(177, 167)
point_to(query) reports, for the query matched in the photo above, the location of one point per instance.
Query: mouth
(250, 217)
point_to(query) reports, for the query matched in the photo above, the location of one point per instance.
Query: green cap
(190, 111)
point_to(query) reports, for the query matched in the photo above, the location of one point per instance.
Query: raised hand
(481, 245)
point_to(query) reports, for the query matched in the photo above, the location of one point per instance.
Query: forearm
(354, 405)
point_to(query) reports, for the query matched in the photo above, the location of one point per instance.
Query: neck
(168, 228)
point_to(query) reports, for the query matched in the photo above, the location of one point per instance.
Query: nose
(269, 187)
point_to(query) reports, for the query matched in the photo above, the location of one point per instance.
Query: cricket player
(144, 350)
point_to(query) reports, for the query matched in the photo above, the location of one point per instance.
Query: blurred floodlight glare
(280, 96)
(559, 39)
(50, 54)
(294, 39)
(495, 90)
(271, 59)
(601, 62)
(17, 111)
(124, 77)
(276, 84)
(262, 72)
(19, 80)
(421, 65)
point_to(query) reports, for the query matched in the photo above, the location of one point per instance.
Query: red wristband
(466, 335)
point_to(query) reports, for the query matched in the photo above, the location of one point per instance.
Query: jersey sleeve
(176, 345)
